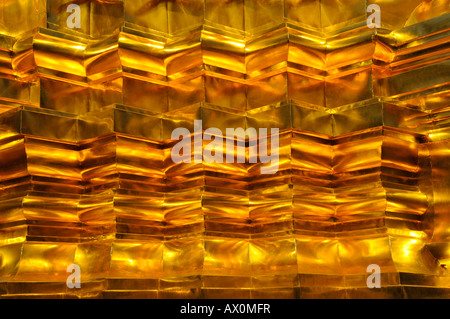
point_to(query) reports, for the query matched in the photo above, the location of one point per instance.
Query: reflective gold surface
(86, 175)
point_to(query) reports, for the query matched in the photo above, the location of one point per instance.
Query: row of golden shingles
(98, 18)
(255, 117)
(243, 75)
